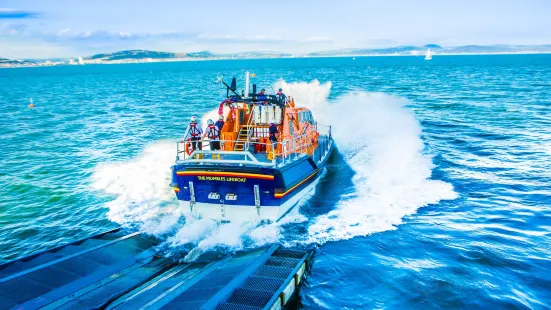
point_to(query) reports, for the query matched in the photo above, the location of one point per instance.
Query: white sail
(428, 56)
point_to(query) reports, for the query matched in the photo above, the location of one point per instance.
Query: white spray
(380, 140)
(378, 137)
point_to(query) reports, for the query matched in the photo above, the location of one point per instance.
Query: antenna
(219, 79)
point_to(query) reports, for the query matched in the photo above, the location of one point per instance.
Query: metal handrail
(203, 144)
(251, 114)
(288, 148)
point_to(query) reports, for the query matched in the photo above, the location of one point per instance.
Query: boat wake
(378, 138)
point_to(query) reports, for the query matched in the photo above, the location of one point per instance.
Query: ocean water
(439, 195)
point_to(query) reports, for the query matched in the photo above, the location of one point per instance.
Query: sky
(60, 28)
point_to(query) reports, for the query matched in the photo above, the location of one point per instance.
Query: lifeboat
(255, 175)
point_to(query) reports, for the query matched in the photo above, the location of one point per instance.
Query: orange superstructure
(247, 126)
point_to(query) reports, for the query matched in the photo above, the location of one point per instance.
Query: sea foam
(380, 139)
(377, 136)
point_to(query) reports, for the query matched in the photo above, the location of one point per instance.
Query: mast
(247, 82)
(428, 56)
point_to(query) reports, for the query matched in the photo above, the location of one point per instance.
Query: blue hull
(214, 184)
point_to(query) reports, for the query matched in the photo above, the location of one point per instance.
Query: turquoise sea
(439, 196)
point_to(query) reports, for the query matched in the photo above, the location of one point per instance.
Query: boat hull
(246, 213)
(246, 193)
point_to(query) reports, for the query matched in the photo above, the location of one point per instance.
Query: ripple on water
(485, 126)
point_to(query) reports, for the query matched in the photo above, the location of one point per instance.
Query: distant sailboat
(428, 56)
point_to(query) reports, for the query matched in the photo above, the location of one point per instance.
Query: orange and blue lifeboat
(253, 177)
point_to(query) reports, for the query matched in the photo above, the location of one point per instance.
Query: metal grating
(118, 286)
(79, 266)
(186, 305)
(20, 290)
(273, 272)
(282, 262)
(213, 282)
(228, 306)
(238, 262)
(103, 294)
(250, 298)
(159, 288)
(51, 277)
(228, 271)
(262, 284)
(196, 295)
(289, 253)
(103, 256)
(6, 303)
(259, 288)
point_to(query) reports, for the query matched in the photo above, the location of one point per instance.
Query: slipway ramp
(122, 270)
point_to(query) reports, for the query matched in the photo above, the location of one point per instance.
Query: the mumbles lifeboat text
(221, 179)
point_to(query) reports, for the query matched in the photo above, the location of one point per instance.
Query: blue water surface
(486, 124)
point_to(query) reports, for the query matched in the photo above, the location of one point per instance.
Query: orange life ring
(188, 148)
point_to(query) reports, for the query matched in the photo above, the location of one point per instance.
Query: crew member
(213, 133)
(280, 95)
(220, 122)
(273, 133)
(262, 92)
(194, 132)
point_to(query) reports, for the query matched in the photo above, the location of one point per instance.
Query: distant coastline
(146, 56)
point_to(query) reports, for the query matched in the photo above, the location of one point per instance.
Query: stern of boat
(227, 195)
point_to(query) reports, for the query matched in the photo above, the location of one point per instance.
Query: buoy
(31, 104)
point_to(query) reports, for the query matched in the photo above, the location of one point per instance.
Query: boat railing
(277, 154)
(184, 154)
(323, 129)
(293, 149)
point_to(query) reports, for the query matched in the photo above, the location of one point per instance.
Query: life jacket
(279, 93)
(213, 132)
(232, 112)
(273, 131)
(193, 131)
